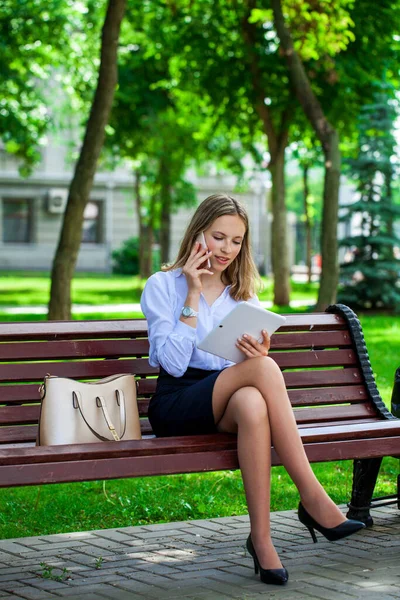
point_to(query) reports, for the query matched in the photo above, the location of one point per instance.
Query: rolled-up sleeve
(171, 341)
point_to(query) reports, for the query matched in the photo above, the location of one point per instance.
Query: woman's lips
(221, 260)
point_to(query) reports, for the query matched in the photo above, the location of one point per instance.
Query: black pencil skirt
(183, 405)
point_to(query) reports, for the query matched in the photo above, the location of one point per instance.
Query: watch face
(186, 311)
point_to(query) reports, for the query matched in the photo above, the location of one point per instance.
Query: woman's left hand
(252, 347)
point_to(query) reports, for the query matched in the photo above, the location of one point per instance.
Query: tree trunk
(306, 193)
(71, 232)
(166, 202)
(330, 211)
(279, 246)
(277, 142)
(145, 233)
(329, 139)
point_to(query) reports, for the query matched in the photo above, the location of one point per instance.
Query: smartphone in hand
(202, 240)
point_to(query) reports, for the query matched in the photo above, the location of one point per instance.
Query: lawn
(94, 505)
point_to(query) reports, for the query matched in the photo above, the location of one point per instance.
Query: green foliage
(126, 258)
(370, 276)
(48, 572)
(42, 46)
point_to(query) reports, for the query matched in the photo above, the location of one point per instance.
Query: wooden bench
(327, 372)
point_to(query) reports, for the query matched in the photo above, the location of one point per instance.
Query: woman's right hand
(192, 269)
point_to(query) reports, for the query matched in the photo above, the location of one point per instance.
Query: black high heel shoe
(275, 576)
(333, 533)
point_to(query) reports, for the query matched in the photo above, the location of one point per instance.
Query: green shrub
(126, 258)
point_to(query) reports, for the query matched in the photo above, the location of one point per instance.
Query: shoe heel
(255, 567)
(312, 532)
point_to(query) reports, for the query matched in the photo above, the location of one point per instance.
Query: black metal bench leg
(365, 474)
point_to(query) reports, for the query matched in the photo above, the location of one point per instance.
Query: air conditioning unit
(57, 200)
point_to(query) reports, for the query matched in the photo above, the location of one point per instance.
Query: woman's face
(224, 238)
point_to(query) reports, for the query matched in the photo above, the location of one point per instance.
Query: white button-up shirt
(173, 344)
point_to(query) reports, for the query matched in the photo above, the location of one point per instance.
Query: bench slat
(103, 368)
(333, 413)
(17, 393)
(208, 460)
(27, 415)
(73, 349)
(310, 339)
(41, 330)
(47, 330)
(330, 395)
(295, 379)
(76, 370)
(186, 444)
(25, 350)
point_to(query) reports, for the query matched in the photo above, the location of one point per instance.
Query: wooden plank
(96, 369)
(27, 393)
(113, 468)
(334, 377)
(29, 414)
(138, 327)
(187, 444)
(63, 330)
(311, 339)
(315, 358)
(23, 433)
(91, 369)
(334, 413)
(62, 350)
(99, 368)
(18, 393)
(19, 415)
(332, 395)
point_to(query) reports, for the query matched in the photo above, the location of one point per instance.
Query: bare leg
(263, 374)
(247, 414)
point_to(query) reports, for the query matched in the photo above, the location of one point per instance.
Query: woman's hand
(252, 347)
(192, 269)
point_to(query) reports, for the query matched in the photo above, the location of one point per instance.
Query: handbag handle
(77, 403)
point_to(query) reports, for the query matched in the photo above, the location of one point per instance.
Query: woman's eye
(237, 243)
(218, 239)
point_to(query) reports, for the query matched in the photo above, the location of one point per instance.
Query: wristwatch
(187, 311)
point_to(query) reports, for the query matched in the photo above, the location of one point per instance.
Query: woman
(200, 393)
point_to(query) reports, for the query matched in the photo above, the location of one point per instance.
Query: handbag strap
(77, 403)
(122, 410)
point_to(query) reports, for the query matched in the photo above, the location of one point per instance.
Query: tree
(35, 43)
(71, 232)
(334, 85)
(371, 275)
(329, 139)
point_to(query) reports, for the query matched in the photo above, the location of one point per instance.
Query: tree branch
(300, 81)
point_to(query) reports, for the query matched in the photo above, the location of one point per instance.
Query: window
(92, 223)
(17, 221)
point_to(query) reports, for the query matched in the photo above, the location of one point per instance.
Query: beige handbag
(73, 412)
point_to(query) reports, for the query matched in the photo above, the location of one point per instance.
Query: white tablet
(244, 318)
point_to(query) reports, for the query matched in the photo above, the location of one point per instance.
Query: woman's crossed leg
(250, 399)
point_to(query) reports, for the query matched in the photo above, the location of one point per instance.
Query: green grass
(30, 289)
(33, 289)
(41, 510)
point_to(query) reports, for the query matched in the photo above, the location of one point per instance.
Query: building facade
(31, 211)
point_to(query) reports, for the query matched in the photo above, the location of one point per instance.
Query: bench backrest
(320, 360)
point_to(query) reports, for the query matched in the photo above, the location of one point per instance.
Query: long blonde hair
(242, 273)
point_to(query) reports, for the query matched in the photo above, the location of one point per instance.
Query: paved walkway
(202, 560)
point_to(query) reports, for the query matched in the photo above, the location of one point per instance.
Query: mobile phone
(202, 240)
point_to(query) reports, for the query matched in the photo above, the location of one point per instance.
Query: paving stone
(204, 560)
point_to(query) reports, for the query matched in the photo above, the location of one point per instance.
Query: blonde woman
(199, 393)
